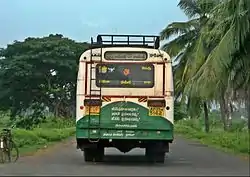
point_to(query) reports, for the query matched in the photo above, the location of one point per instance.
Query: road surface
(187, 158)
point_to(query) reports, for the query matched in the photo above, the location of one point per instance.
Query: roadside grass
(51, 131)
(235, 141)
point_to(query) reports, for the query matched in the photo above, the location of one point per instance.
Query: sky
(82, 19)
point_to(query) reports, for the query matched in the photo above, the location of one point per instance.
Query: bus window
(125, 55)
(125, 75)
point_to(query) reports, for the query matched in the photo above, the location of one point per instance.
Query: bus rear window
(125, 55)
(124, 75)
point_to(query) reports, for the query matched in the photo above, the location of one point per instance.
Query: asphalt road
(186, 158)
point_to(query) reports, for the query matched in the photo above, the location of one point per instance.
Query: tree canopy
(39, 74)
(213, 54)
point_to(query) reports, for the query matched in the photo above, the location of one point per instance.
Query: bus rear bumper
(129, 134)
(123, 140)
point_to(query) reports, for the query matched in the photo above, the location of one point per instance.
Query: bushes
(40, 136)
(58, 123)
(4, 121)
(179, 112)
(51, 130)
(49, 122)
(236, 140)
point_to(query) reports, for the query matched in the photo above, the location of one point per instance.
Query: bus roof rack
(143, 41)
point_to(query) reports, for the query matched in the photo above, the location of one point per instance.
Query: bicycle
(8, 149)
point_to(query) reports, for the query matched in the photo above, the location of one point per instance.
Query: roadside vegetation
(211, 72)
(46, 133)
(37, 89)
(234, 141)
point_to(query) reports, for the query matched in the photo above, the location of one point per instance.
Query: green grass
(236, 140)
(43, 135)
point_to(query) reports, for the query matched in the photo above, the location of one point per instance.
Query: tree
(213, 63)
(183, 48)
(228, 62)
(40, 73)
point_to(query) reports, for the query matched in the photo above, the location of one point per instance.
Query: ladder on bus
(95, 96)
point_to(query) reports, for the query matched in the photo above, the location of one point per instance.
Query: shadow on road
(138, 160)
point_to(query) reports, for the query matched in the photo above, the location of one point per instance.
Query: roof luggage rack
(144, 41)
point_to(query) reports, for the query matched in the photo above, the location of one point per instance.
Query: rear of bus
(136, 108)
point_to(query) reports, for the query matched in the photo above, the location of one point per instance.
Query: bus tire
(88, 154)
(155, 154)
(160, 157)
(99, 155)
(149, 155)
(157, 157)
(94, 154)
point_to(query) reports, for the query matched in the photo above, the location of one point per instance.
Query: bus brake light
(92, 102)
(156, 103)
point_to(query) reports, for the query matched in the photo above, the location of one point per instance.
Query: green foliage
(53, 122)
(51, 130)
(184, 47)
(41, 136)
(179, 113)
(48, 122)
(39, 73)
(211, 51)
(4, 120)
(237, 140)
(31, 120)
(26, 122)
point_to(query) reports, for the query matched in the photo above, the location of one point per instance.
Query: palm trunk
(228, 114)
(56, 110)
(206, 119)
(223, 111)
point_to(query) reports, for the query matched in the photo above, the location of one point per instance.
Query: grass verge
(236, 141)
(43, 135)
(29, 141)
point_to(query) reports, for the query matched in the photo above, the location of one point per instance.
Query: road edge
(243, 156)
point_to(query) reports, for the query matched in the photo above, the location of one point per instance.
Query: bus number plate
(156, 111)
(92, 110)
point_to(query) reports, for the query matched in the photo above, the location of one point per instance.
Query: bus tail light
(156, 103)
(92, 102)
(92, 106)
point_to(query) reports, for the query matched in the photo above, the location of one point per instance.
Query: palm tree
(228, 63)
(212, 51)
(183, 47)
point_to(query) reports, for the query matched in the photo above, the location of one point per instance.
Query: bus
(124, 97)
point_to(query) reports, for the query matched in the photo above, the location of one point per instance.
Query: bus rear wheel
(99, 154)
(94, 154)
(155, 154)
